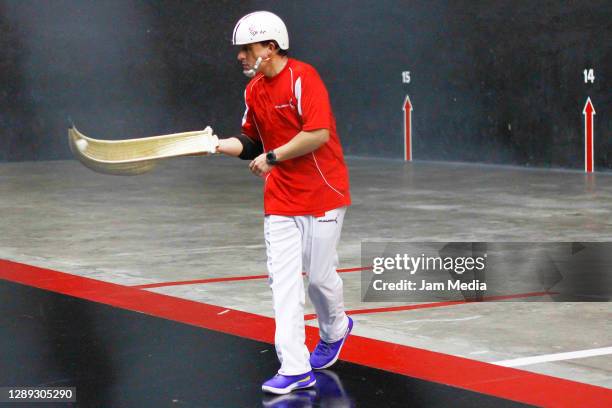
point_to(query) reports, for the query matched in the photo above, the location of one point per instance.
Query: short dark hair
(281, 52)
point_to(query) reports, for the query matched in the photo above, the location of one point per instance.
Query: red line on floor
(436, 304)
(226, 279)
(358, 269)
(504, 382)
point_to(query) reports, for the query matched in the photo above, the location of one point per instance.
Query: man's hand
(210, 142)
(259, 166)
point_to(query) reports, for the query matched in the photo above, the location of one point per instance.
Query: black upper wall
(498, 82)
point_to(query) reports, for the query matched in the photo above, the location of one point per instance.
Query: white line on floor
(223, 312)
(187, 251)
(460, 319)
(479, 352)
(517, 362)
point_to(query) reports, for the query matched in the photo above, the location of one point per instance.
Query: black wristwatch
(271, 158)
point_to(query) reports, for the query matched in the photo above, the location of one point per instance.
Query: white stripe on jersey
(321, 173)
(298, 94)
(246, 111)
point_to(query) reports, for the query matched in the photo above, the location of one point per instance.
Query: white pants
(296, 244)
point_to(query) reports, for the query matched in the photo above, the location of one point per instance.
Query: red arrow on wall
(589, 149)
(407, 108)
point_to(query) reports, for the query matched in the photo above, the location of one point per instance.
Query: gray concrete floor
(197, 218)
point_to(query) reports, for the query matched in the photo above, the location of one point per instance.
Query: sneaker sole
(348, 331)
(292, 387)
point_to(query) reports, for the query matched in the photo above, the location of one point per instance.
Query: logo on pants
(328, 220)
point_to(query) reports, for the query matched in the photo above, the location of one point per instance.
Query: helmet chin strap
(251, 72)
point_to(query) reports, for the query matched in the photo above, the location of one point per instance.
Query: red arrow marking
(407, 108)
(589, 156)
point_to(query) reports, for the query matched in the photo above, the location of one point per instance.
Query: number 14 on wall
(589, 75)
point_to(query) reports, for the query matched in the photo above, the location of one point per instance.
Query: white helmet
(261, 26)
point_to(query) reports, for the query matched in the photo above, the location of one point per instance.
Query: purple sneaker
(326, 354)
(284, 384)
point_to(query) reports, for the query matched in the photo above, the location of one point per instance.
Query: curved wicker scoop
(133, 156)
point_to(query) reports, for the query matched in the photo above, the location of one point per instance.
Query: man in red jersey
(289, 134)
